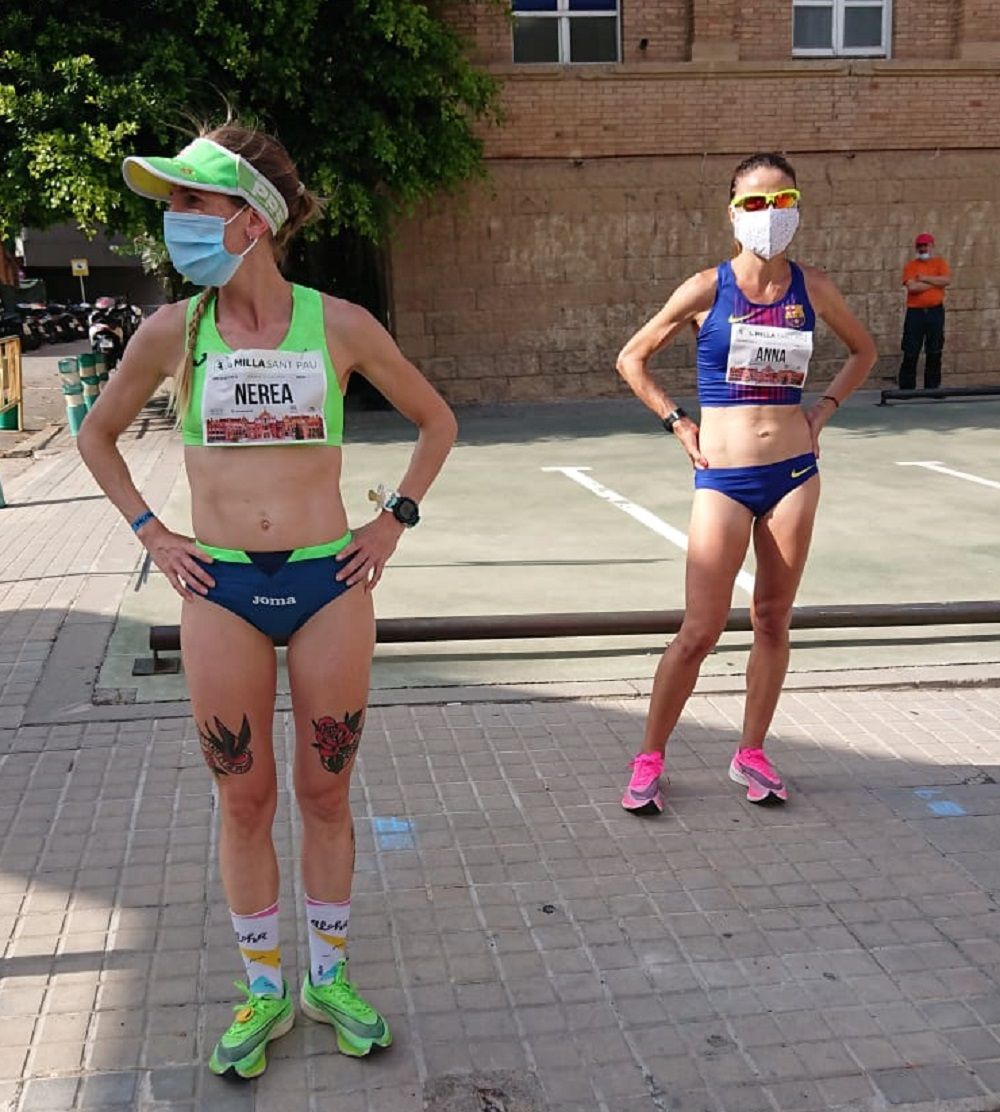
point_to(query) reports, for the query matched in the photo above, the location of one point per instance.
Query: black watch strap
(672, 418)
(404, 510)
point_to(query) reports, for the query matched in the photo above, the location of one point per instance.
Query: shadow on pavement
(838, 952)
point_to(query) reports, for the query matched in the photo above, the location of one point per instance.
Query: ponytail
(181, 397)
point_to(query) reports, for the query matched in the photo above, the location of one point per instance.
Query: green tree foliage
(374, 99)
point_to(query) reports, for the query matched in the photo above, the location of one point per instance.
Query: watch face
(406, 511)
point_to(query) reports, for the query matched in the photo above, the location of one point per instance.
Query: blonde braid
(181, 398)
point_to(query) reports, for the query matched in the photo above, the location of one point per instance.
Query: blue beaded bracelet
(140, 521)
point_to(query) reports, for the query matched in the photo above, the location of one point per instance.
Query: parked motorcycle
(41, 321)
(133, 318)
(107, 330)
(79, 319)
(65, 323)
(13, 324)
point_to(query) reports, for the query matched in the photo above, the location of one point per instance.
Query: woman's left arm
(829, 303)
(379, 360)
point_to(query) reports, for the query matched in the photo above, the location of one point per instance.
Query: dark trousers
(922, 328)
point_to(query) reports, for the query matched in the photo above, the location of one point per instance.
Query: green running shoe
(259, 1020)
(359, 1027)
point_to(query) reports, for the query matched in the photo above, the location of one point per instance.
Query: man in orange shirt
(925, 279)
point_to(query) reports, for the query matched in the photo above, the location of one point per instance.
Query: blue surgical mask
(196, 248)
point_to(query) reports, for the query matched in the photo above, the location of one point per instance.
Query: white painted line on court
(937, 465)
(640, 513)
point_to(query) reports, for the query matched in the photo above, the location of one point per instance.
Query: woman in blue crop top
(259, 369)
(754, 457)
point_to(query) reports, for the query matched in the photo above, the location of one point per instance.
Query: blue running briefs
(760, 488)
(276, 592)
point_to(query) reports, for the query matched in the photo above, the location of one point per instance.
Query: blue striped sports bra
(750, 354)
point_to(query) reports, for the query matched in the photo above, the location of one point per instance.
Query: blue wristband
(140, 521)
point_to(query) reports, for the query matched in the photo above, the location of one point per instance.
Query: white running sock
(328, 924)
(257, 936)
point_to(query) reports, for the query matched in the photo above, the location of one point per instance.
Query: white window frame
(838, 50)
(564, 15)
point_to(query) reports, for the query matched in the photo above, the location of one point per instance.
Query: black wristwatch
(672, 418)
(403, 509)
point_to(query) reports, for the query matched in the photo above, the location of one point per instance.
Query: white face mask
(766, 233)
(923, 254)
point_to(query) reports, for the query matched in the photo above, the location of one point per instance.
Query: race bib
(255, 396)
(763, 355)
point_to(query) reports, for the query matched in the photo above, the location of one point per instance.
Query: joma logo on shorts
(263, 600)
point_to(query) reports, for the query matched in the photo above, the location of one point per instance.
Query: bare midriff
(266, 499)
(752, 435)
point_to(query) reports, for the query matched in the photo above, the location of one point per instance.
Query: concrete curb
(24, 449)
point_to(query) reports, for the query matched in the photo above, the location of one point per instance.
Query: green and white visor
(204, 164)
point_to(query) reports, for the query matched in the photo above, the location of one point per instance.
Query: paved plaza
(534, 948)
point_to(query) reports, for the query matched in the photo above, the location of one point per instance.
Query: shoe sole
(254, 1064)
(769, 798)
(651, 807)
(347, 1042)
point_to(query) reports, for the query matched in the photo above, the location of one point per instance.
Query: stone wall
(608, 186)
(527, 287)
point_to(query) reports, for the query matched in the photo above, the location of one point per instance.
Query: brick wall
(979, 30)
(927, 29)
(665, 24)
(803, 105)
(609, 185)
(527, 288)
(485, 27)
(767, 34)
(678, 30)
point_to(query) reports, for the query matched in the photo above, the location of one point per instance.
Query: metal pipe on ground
(940, 393)
(502, 627)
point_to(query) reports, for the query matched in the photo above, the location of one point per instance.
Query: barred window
(837, 28)
(566, 30)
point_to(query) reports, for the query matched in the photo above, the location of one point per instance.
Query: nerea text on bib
(768, 356)
(255, 396)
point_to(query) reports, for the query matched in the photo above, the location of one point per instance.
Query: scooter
(41, 321)
(66, 325)
(107, 331)
(14, 324)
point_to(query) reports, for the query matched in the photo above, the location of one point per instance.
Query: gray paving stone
(51, 1094)
(974, 1043)
(901, 1086)
(173, 1084)
(103, 1090)
(844, 945)
(221, 1096)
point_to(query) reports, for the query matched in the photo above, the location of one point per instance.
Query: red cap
(925, 237)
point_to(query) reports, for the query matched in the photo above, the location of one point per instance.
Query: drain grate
(496, 1091)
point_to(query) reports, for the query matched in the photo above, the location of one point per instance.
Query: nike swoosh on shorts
(798, 474)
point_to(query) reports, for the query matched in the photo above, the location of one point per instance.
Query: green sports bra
(261, 397)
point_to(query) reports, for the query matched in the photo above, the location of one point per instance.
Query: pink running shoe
(643, 795)
(752, 769)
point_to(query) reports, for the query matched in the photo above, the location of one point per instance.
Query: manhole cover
(495, 1091)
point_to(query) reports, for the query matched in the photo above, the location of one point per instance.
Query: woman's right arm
(151, 356)
(686, 303)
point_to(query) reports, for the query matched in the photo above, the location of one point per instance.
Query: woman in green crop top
(259, 369)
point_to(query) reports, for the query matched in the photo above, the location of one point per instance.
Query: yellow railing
(10, 381)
